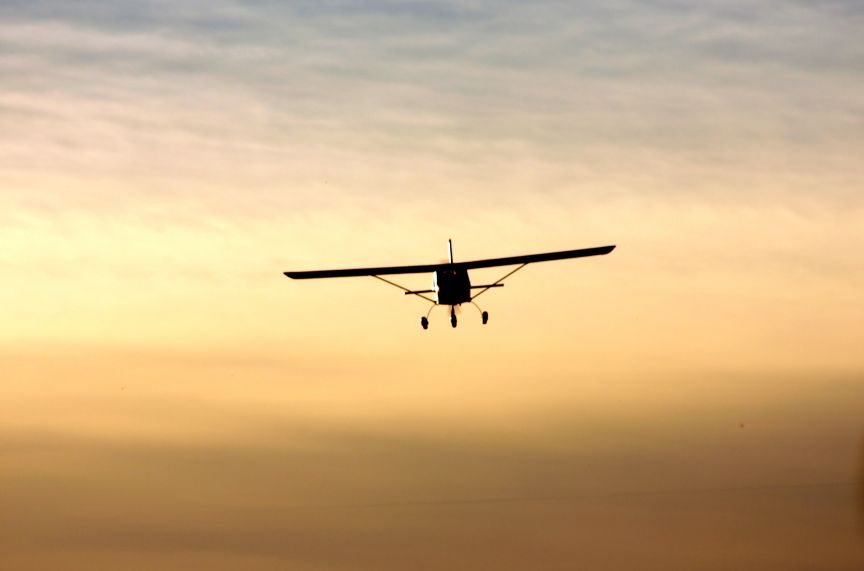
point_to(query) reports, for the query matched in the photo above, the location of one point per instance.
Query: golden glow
(170, 400)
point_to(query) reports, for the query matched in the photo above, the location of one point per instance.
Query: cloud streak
(687, 91)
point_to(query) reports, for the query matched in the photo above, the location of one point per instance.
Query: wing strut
(405, 289)
(497, 282)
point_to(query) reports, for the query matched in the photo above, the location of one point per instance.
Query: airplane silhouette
(450, 282)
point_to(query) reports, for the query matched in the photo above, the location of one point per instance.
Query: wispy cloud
(596, 91)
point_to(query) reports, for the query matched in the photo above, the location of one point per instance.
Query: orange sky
(692, 400)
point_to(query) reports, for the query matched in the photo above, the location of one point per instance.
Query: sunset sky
(694, 400)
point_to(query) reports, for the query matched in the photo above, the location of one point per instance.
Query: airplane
(451, 285)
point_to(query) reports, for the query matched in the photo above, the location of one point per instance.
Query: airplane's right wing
(354, 272)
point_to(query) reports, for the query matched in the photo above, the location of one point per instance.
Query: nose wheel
(453, 317)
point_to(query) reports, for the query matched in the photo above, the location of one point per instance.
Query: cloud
(378, 96)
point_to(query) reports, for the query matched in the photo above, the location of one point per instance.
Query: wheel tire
(485, 316)
(424, 323)
(453, 320)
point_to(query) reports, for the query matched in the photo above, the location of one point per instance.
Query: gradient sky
(694, 400)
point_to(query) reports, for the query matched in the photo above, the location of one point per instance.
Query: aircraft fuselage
(452, 285)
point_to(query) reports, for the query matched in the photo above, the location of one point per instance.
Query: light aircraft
(450, 283)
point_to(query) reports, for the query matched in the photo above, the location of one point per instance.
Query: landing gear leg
(424, 321)
(484, 315)
(453, 316)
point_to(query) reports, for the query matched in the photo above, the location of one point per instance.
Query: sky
(692, 400)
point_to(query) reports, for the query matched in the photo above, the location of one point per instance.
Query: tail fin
(450, 249)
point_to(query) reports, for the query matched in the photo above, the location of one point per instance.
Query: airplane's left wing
(531, 258)
(354, 272)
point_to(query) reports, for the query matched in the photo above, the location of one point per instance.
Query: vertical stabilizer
(450, 249)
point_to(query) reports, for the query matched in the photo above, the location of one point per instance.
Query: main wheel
(424, 323)
(485, 316)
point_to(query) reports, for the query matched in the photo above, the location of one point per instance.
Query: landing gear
(424, 321)
(484, 315)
